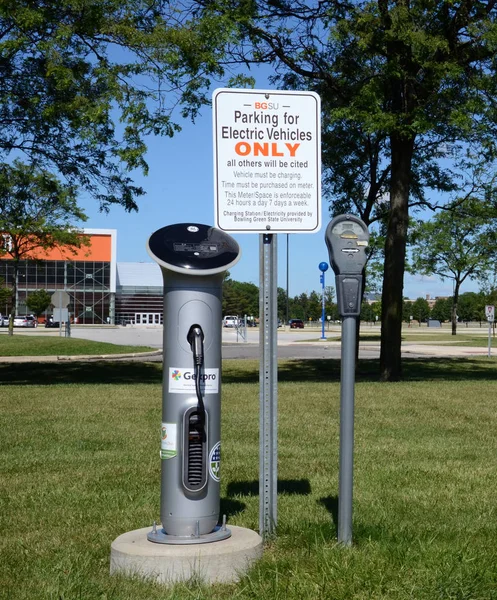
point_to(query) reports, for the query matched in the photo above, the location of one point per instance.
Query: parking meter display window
(192, 246)
(347, 240)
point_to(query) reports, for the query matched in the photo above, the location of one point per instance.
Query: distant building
(139, 298)
(87, 274)
(100, 289)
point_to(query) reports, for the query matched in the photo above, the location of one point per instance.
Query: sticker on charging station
(215, 462)
(168, 441)
(182, 381)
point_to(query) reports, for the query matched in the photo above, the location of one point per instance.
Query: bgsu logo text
(266, 105)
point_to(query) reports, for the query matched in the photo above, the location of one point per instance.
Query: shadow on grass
(80, 373)
(301, 487)
(414, 369)
(240, 371)
(230, 507)
(331, 505)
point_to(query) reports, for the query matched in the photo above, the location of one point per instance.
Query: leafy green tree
(442, 309)
(377, 310)
(407, 311)
(420, 310)
(5, 297)
(367, 312)
(37, 212)
(315, 306)
(38, 301)
(471, 306)
(240, 298)
(299, 307)
(282, 304)
(84, 82)
(403, 85)
(330, 307)
(457, 244)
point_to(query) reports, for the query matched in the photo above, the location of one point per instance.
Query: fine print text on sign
(267, 161)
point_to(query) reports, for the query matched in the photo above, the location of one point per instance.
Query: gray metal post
(489, 339)
(347, 378)
(268, 379)
(347, 238)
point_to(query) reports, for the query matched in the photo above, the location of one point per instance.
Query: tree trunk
(395, 254)
(455, 300)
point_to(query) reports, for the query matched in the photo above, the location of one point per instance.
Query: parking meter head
(347, 239)
(193, 249)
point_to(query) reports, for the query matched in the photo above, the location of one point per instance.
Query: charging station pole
(193, 259)
(347, 238)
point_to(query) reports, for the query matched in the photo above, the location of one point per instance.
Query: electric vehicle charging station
(347, 239)
(193, 259)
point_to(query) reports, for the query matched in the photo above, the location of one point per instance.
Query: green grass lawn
(80, 465)
(50, 345)
(421, 336)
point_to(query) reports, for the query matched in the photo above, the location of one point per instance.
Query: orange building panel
(99, 250)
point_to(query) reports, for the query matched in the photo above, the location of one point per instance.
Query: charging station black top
(193, 248)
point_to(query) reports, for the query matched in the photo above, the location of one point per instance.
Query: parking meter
(347, 239)
(193, 259)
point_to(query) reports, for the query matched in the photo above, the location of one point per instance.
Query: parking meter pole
(347, 239)
(346, 477)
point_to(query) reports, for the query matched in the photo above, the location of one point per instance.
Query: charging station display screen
(203, 249)
(193, 247)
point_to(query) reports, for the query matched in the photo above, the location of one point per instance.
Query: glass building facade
(90, 284)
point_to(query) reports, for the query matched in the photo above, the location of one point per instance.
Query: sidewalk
(79, 357)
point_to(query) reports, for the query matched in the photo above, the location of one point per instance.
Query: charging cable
(195, 338)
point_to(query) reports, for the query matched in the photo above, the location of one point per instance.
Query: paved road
(293, 344)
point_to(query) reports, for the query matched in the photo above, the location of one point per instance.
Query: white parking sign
(267, 161)
(490, 312)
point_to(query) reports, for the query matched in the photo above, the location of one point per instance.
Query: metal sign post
(490, 314)
(60, 301)
(347, 238)
(268, 394)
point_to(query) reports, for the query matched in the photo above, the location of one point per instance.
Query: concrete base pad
(218, 562)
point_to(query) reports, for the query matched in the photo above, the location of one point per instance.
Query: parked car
(230, 321)
(4, 320)
(296, 324)
(25, 321)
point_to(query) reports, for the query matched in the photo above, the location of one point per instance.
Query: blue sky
(180, 188)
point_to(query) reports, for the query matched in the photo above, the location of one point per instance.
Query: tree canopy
(37, 211)
(408, 92)
(457, 244)
(83, 82)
